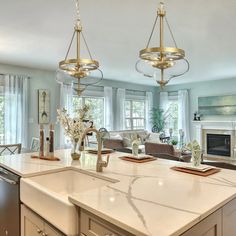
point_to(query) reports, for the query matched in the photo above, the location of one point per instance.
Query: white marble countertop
(150, 199)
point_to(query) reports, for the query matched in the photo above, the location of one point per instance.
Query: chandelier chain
(172, 35)
(153, 28)
(77, 9)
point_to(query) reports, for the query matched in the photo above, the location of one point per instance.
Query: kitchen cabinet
(91, 225)
(210, 226)
(229, 218)
(34, 225)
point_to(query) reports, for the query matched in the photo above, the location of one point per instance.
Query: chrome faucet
(100, 162)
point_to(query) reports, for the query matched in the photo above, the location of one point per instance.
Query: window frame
(131, 118)
(92, 97)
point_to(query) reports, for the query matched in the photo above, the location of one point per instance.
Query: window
(96, 105)
(172, 115)
(134, 114)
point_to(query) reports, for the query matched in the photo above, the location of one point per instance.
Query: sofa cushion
(153, 138)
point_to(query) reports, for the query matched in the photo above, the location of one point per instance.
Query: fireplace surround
(218, 130)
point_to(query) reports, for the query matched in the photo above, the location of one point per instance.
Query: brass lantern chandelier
(162, 63)
(78, 71)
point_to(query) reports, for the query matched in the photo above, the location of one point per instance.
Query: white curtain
(120, 109)
(108, 94)
(149, 106)
(184, 118)
(66, 95)
(164, 101)
(16, 90)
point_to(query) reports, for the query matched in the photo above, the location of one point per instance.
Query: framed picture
(43, 106)
(217, 105)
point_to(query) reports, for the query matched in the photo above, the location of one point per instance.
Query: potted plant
(158, 117)
(174, 142)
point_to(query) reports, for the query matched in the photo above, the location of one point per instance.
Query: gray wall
(208, 88)
(41, 79)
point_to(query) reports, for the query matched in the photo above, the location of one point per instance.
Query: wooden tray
(104, 151)
(46, 158)
(195, 172)
(127, 158)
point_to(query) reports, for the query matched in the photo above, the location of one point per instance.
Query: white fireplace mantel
(201, 128)
(211, 124)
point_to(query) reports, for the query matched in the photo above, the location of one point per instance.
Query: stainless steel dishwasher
(9, 203)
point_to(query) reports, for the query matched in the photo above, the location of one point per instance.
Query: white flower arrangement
(194, 146)
(74, 127)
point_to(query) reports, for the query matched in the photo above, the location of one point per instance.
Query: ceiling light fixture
(78, 71)
(162, 63)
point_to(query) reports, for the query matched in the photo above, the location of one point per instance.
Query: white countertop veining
(149, 199)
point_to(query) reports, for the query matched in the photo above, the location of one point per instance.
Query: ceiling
(36, 33)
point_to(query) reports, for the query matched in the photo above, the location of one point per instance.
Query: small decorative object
(195, 116)
(170, 132)
(43, 106)
(74, 127)
(51, 140)
(181, 138)
(198, 117)
(135, 145)
(194, 147)
(41, 141)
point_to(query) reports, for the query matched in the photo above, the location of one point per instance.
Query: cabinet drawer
(91, 225)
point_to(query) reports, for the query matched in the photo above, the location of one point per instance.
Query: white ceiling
(36, 33)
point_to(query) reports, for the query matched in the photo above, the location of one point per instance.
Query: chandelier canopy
(162, 63)
(79, 71)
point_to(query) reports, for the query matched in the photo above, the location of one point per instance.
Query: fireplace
(219, 144)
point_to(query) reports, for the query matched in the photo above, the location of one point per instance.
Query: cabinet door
(31, 224)
(229, 218)
(210, 226)
(49, 230)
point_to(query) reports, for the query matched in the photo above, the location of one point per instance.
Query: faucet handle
(106, 162)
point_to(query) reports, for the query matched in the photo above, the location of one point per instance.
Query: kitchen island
(146, 199)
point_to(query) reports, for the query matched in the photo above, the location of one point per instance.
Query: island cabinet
(210, 226)
(91, 225)
(34, 225)
(220, 223)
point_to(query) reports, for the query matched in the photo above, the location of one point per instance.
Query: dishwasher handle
(9, 181)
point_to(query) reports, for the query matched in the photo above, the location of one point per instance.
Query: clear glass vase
(75, 153)
(196, 157)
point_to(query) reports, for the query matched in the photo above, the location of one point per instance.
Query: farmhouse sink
(48, 195)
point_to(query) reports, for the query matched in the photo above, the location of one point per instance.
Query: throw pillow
(144, 138)
(127, 142)
(116, 136)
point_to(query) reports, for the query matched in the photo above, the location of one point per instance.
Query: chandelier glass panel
(81, 72)
(162, 63)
